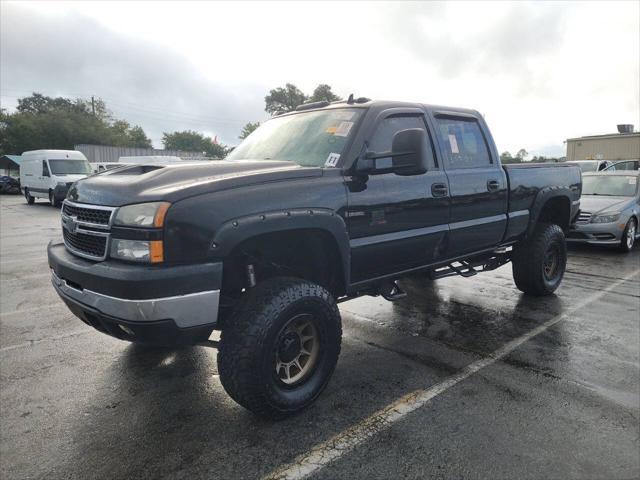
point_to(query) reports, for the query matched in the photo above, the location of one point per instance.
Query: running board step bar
(391, 291)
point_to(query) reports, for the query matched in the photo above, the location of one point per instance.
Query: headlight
(137, 250)
(606, 218)
(142, 215)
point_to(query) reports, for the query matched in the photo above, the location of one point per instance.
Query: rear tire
(28, 197)
(539, 263)
(628, 236)
(281, 322)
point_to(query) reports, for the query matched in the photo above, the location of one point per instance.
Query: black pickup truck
(315, 207)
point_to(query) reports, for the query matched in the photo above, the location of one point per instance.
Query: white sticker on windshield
(454, 144)
(343, 129)
(343, 115)
(332, 160)
(632, 180)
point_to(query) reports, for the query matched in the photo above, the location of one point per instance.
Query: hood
(148, 183)
(602, 203)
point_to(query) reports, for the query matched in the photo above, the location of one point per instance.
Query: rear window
(463, 142)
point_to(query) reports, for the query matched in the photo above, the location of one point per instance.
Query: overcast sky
(538, 72)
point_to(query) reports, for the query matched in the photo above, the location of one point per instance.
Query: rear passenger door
(477, 183)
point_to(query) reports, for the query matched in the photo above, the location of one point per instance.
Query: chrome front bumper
(189, 310)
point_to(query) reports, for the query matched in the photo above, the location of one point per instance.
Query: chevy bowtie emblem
(71, 224)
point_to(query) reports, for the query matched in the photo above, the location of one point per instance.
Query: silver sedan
(609, 210)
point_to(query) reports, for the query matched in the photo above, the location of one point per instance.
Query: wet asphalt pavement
(565, 404)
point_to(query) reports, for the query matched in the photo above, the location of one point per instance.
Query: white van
(49, 173)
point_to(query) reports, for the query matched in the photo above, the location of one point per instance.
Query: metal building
(111, 154)
(624, 145)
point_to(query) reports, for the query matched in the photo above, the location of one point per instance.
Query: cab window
(463, 143)
(45, 169)
(387, 128)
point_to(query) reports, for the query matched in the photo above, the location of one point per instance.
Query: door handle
(493, 185)
(439, 190)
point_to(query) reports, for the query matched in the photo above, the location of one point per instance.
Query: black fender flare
(541, 199)
(233, 232)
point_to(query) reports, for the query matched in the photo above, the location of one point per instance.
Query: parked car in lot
(623, 165)
(316, 206)
(592, 165)
(610, 209)
(97, 167)
(49, 174)
(9, 184)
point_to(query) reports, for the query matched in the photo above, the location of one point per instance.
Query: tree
(522, 154)
(61, 123)
(323, 93)
(281, 100)
(137, 138)
(189, 140)
(247, 129)
(124, 135)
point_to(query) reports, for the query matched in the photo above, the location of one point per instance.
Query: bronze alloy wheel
(297, 349)
(551, 262)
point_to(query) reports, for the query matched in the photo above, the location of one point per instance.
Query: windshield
(612, 185)
(69, 167)
(309, 139)
(625, 165)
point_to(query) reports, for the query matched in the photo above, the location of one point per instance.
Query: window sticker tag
(332, 160)
(343, 115)
(331, 130)
(343, 129)
(454, 144)
(632, 180)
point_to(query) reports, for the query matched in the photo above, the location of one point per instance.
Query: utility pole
(93, 106)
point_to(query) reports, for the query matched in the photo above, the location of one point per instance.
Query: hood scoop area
(135, 170)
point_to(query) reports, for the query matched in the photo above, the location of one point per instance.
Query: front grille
(92, 245)
(584, 217)
(86, 229)
(89, 215)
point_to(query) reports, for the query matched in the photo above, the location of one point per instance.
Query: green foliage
(124, 135)
(60, 123)
(323, 93)
(189, 140)
(281, 100)
(506, 158)
(247, 129)
(287, 98)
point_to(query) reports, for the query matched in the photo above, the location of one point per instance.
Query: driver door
(396, 222)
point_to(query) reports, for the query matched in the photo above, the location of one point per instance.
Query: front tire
(278, 352)
(53, 200)
(28, 197)
(628, 236)
(539, 263)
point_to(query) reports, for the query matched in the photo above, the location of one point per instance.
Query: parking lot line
(324, 453)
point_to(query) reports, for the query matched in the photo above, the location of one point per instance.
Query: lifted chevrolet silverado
(315, 207)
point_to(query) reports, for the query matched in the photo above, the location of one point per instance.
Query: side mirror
(409, 148)
(407, 155)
